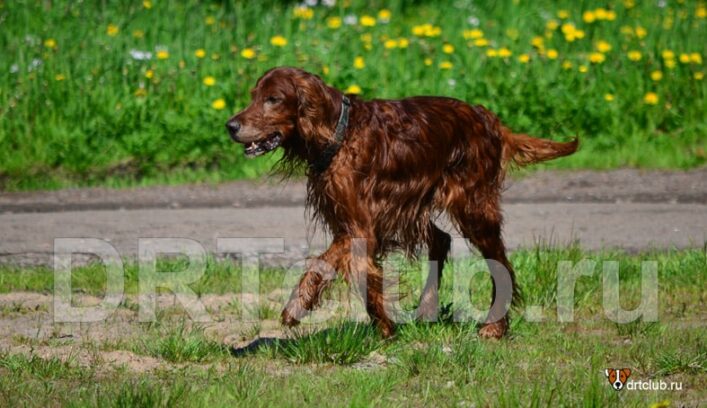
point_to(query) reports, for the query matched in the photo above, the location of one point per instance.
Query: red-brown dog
(380, 170)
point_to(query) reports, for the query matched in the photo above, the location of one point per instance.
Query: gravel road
(626, 209)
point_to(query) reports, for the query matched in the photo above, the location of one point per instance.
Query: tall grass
(115, 93)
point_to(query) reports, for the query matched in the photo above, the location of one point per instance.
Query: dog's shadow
(295, 337)
(257, 344)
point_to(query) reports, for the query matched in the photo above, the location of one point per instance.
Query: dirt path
(627, 209)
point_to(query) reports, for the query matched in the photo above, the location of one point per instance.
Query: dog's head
(617, 377)
(286, 103)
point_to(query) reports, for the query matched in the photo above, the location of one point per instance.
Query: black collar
(324, 160)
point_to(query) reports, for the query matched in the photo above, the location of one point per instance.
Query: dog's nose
(617, 384)
(233, 126)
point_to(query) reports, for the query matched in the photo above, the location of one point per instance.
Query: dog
(379, 171)
(617, 377)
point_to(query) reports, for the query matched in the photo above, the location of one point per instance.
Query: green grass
(180, 345)
(105, 122)
(432, 364)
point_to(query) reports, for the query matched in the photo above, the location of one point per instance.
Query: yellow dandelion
(403, 42)
(696, 58)
(140, 93)
(426, 30)
(366, 38)
(523, 58)
(448, 48)
(384, 15)
(215, 56)
(367, 21)
(603, 46)
(353, 89)
(667, 54)
(610, 15)
(325, 70)
(209, 81)
(656, 75)
(583, 69)
(634, 55)
(278, 41)
(390, 43)
(626, 30)
(640, 32)
(481, 42)
(608, 97)
(629, 4)
(596, 58)
(59, 77)
(446, 65)
(147, 4)
(248, 53)
(600, 13)
(200, 53)
(552, 54)
(112, 30)
(149, 74)
(210, 20)
(428, 61)
(684, 58)
(359, 63)
(218, 104)
(651, 98)
(491, 53)
(563, 14)
(552, 25)
(537, 42)
(701, 11)
(589, 16)
(50, 43)
(566, 65)
(162, 54)
(670, 64)
(333, 22)
(504, 53)
(699, 75)
(303, 12)
(472, 34)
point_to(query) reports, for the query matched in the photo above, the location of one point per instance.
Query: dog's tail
(522, 149)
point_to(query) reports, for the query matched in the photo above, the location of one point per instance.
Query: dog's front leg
(321, 271)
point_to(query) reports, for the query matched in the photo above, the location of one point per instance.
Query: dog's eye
(272, 99)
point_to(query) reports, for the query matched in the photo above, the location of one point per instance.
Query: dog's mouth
(254, 149)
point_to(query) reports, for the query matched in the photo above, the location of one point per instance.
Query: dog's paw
(495, 330)
(287, 319)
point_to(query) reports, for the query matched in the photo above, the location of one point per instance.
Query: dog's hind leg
(481, 224)
(438, 246)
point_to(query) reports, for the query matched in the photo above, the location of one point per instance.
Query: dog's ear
(315, 107)
(626, 371)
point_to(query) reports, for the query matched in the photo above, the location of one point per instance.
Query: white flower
(34, 64)
(662, 3)
(310, 3)
(473, 20)
(14, 68)
(31, 40)
(140, 55)
(452, 82)
(329, 3)
(351, 19)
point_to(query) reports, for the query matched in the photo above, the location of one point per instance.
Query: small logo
(617, 377)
